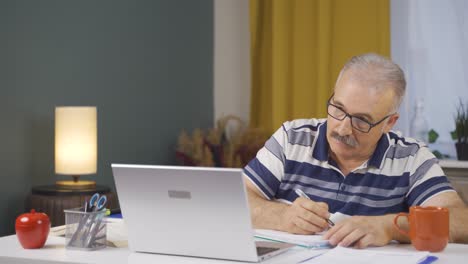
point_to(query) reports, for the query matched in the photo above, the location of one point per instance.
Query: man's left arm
(458, 214)
(363, 231)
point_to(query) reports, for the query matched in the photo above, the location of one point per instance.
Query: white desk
(55, 252)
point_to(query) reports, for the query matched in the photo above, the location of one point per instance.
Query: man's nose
(345, 128)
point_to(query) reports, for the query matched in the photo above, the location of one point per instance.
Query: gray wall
(146, 65)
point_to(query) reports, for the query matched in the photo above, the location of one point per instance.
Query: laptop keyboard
(265, 250)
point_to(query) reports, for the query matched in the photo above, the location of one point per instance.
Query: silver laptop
(189, 211)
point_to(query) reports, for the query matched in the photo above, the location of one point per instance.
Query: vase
(462, 150)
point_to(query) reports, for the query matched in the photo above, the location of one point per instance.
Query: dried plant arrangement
(229, 144)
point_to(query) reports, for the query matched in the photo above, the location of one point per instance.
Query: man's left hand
(361, 231)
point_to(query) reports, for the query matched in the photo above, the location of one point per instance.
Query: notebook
(308, 241)
(189, 211)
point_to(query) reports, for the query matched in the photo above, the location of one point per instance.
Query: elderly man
(355, 171)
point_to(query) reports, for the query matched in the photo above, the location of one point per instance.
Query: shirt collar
(380, 150)
(322, 147)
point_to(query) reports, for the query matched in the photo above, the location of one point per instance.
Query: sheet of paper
(309, 241)
(338, 217)
(367, 256)
(296, 255)
(117, 232)
(58, 231)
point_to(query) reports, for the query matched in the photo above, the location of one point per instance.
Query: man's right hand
(304, 217)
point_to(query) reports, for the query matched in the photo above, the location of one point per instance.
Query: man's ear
(391, 122)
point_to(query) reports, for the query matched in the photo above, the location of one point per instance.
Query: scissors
(87, 220)
(97, 202)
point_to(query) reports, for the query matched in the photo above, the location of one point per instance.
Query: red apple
(32, 229)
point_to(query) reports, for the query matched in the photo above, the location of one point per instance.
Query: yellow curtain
(298, 48)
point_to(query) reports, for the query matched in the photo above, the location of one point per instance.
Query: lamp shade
(75, 140)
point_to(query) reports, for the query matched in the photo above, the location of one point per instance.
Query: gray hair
(377, 70)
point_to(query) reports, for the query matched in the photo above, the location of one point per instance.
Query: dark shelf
(59, 191)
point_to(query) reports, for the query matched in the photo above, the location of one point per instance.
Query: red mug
(32, 229)
(428, 227)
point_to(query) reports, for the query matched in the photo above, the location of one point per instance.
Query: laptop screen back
(190, 211)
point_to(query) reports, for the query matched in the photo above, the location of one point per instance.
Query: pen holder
(85, 230)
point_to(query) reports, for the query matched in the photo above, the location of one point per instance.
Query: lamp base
(76, 185)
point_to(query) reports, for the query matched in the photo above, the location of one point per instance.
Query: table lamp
(76, 144)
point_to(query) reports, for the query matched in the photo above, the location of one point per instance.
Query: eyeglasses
(356, 122)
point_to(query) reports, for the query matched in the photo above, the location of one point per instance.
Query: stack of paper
(308, 241)
(117, 232)
(368, 256)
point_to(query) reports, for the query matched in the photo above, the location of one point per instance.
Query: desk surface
(55, 252)
(453, 164)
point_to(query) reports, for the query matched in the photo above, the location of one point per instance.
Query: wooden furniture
(52, 200)
(457, 172)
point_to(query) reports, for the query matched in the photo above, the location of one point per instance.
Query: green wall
(146, 65)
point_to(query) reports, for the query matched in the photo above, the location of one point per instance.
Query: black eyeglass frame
(371, 125)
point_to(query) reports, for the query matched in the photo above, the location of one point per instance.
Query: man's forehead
(362, 99)
(362, 113)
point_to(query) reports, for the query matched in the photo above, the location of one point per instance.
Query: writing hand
(304, 216)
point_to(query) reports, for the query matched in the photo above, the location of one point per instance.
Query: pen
(304, 195)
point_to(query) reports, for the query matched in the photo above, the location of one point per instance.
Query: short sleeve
(426, 179)
(266, 170)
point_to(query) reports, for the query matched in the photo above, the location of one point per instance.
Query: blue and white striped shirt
(402, 172)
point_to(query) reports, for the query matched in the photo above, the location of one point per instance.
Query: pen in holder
(85, 230)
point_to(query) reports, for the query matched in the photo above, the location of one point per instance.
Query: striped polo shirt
(401, 172)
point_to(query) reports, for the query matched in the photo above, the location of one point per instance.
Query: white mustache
(345, 139)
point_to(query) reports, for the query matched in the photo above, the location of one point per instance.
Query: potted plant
(460, 134)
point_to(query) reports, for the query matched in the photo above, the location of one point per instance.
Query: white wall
(429, 40)
(231, 59)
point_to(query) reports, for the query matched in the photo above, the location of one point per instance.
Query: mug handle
(395, 223)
